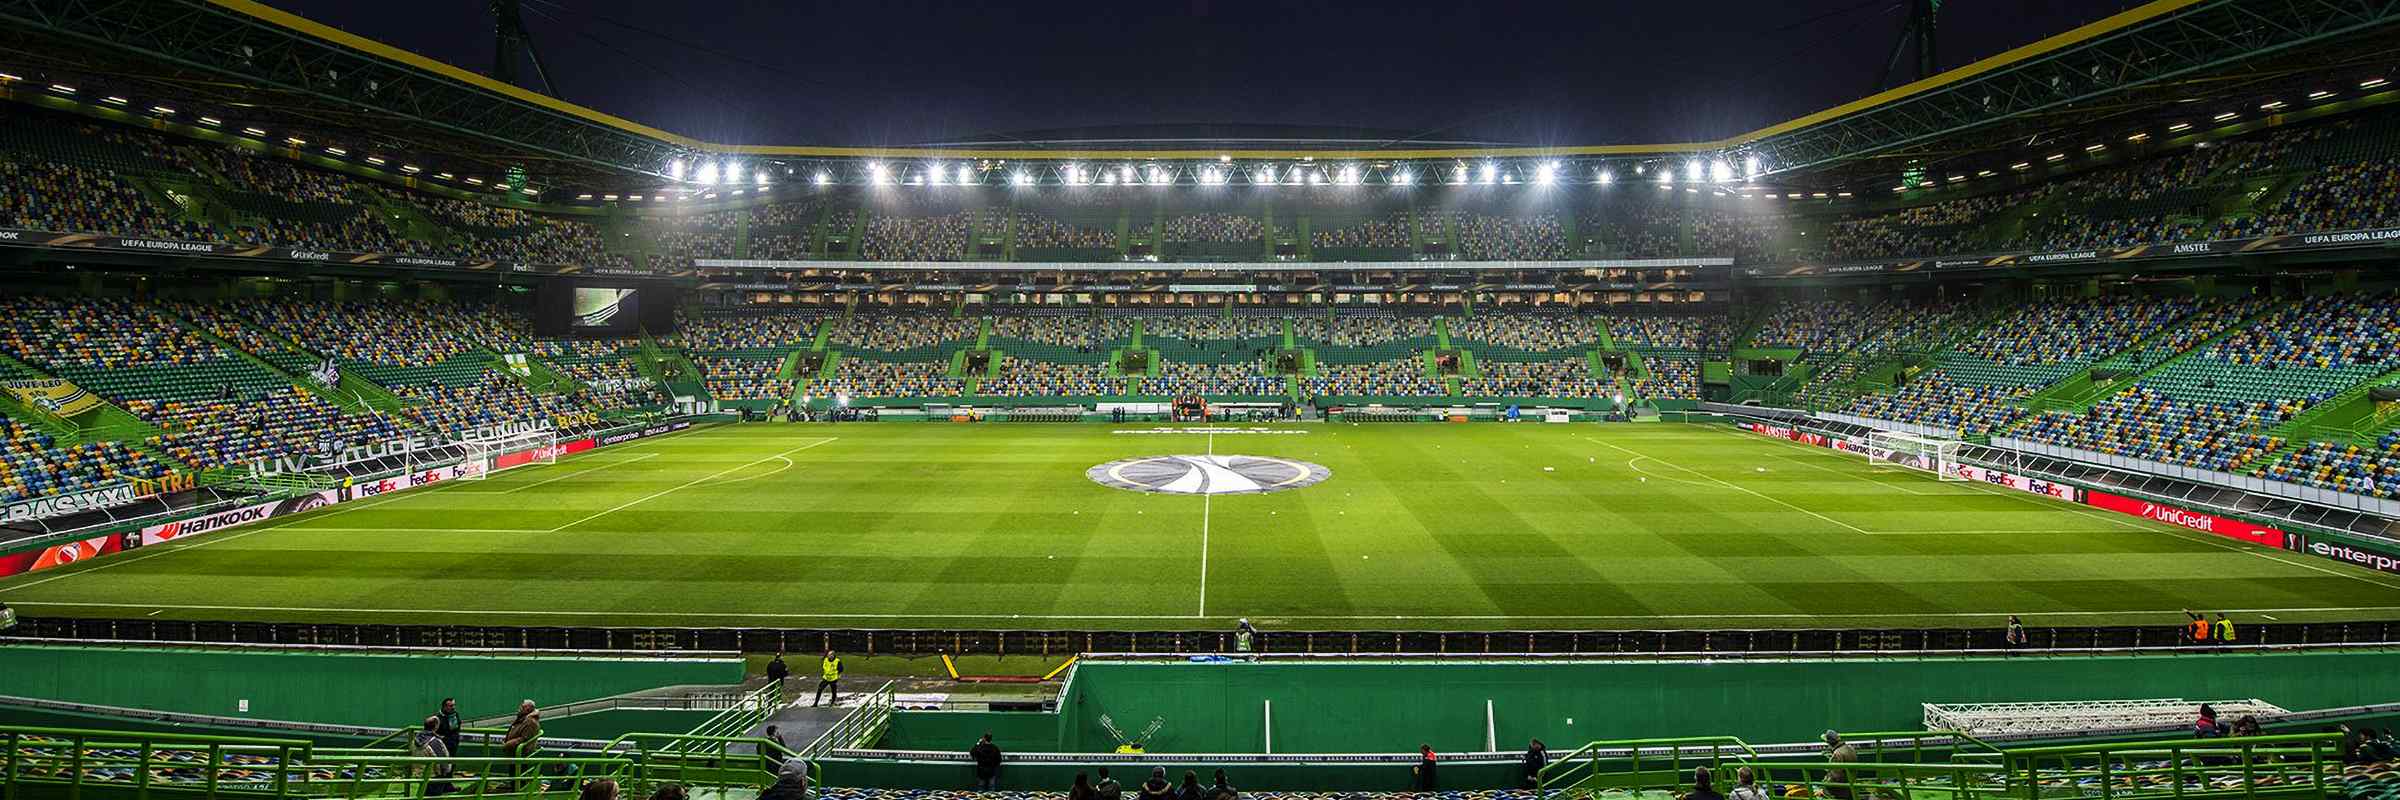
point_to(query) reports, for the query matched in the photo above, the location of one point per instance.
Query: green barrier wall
(956, 730)
(1392, 707)
(617, 722)
(354, 688)
(1248, 778)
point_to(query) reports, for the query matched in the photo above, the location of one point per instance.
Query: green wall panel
(355, 688)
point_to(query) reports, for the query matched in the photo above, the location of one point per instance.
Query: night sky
(915, 71)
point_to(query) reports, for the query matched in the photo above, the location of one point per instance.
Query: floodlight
(675, 169)
(824, 178)
(1607, 177)
(1721, 172)
(1490, 172)
(708, 172)
(1404, 178)
(1021, 178)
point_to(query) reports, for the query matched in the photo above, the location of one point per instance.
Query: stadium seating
(1502, 336)
(34, 464)
(1178, 379)
(250, 427)
(1565, 377)
(1399, 377)
(2373, 471)
(858, 377)
(1029, 378)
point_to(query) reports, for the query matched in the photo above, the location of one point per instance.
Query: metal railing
(1637, 764)
(741, 717)
(70, 762)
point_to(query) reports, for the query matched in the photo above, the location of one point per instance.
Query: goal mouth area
(484, 457)
(1934, 454)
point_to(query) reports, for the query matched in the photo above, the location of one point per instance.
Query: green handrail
(1584, 764)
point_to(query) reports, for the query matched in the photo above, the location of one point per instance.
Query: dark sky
(910, 71)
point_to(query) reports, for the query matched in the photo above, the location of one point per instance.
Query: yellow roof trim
(2079, 35)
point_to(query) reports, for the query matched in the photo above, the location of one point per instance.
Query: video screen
(601, 309)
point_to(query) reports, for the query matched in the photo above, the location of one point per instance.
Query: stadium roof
(2157, 65)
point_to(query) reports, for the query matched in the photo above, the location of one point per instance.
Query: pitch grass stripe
(1173, 617)
(2156, 527)
(1206, 498)
(1639, 455)
(696, 482)
(180, 545)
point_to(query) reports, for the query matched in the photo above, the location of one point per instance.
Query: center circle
(1208, 474)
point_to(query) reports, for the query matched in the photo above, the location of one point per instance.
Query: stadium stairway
(2351, 416)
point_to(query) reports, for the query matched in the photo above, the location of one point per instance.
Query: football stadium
(379, 422)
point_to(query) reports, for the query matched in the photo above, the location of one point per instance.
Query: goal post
(1935, 454)
(486, 456)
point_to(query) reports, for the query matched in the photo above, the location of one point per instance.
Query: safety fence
(1834, 642)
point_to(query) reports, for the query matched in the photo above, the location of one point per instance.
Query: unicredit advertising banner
(2205, 522)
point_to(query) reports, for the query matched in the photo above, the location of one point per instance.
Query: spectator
(791, 782)
(1837, 781)
(1222, 790)
(1191, 787)
(427, 743)
(1157, 787)
(775, 735)
(1703, 785)
(830, 673)
(599, 789)
(1537, 756)
(2015, 638)
(524, 736)
(450, 724)
(777, 670)
(1424, 769)
(1245, 636)
(987, 762)
(1746, 786)
(1082, 790)
(670, 791)
(2207, 726)
(8, 617)
(1107, 788)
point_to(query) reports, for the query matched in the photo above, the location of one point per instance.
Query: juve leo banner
(2202, 521)
(54, 395)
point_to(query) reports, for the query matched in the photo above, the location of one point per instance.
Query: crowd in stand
(739, 377)
(1360, 330)
(1564, 377)
(1401, 377)
(1209, 227)
(2073, 331)
(940, 238)
(1030, 378)
(1385, 232)
(1540, 237)
(386, 332)
(1669, 378)
(1061, 330)
(857, 377)
(460, 411)
(906, 330)
(2373, 471)
(1681, 332)
(1034, 230)
(97, 332)
(33, 463)
(2146, 425)
(1933, 399)
(716, 333)
(1183, 379)
(237, 430)
(1211, 327)
(1529, 333)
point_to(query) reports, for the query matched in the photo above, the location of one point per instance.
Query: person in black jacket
(1157, 787)
(448, 725)
(1425, 760)
(777, 670)
(987, 762)
(1537, 756)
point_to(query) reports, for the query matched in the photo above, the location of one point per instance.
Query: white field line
(1727, 485)
(1205, 502)
(1812, 465)
(1328, 617)
(545, 481)
(181, 545)
(2150, 526)
(692, 483)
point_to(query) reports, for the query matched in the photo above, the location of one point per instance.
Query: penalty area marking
(1171, 617)
(514, 490)
(695, 482)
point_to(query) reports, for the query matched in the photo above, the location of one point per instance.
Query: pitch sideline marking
(641, 457)
(1729, 485)
(1337, 617)
(2176, 530)
(181, 545)
(1206, 500)
(695, 482)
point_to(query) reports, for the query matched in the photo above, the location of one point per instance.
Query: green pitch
(1418, 526)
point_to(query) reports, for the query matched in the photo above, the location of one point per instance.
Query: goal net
(487, 456)
(1934, 454)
